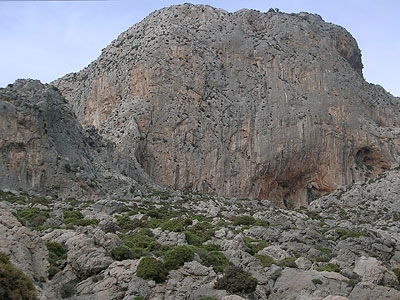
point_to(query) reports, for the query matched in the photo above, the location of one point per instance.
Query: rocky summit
(205, 155)
(246, 104)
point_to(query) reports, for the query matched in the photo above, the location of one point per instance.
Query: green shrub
(176, 225)
(330, 267)
(235, 280)
(212, 247)
(67, 290)
(72, 216)
(254, 245)
(288, 262)
(142, 239)
(397, 273)
(316, 281)
(204, 230)
(138, 298)
(244, 220)
(4, 259)
(193, 239)
(207, 298)
(14, 284)
(215, 259)
(261, 223)
(151, 268)
(33, 217)
(56, 252)
(266, 260)
(177, 256)
(125, 223)
(341, 232)
(121, 253)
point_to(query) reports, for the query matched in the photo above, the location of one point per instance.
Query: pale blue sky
(48, 39)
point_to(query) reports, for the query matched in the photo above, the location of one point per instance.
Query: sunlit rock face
(245, 104)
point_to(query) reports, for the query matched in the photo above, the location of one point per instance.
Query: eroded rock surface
(246, 104)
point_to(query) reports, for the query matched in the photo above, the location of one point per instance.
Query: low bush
(212, 247)
(67, 290)
(72, 216)
(287, 262)
(14, 284)
(266, 260)
(177, 256)
(254, 245)
(397, 273)
(176, 225)
(316, 281)
(193, 239)
(204, 230)
(151, 268)
(141, 239)
(244, 220)
(33, 217)
(57, 252)
(125, 223)
(215, 259)
(330, 267)
(235, 280)
(121, 253)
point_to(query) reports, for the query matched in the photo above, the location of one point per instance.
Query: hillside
(205, 155)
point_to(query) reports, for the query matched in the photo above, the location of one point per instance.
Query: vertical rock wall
(246, 104)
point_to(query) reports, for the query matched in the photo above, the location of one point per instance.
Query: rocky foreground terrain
(343, 246)
(204, 155)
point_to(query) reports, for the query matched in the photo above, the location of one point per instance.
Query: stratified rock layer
(246, 104)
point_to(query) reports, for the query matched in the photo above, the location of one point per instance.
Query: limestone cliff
(245, 104)
(45, 150)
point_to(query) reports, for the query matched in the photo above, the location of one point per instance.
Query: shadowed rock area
(45, 150)
(245, 104)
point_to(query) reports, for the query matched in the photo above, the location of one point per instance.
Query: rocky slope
(45, 150)
(245, 104)
(343, 246)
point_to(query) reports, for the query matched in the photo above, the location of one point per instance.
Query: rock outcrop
(245, 104)
(45, 149)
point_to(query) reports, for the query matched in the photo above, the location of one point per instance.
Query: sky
(47, 39)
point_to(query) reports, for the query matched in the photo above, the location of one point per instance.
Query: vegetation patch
(254, 245)
(151, 268)
(32, 217)
(288, 262)
(57, 252)
(235, 280)
(215, 259)
(14, 284)
(202, 230)
(330, 267)
(266, 260)
(177, 256)
(244, 220)
(122, 253)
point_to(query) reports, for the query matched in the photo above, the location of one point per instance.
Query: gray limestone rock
(26, 249)
(245, 104)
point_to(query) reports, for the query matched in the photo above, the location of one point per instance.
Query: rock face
(45, 150)
(245, 104)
